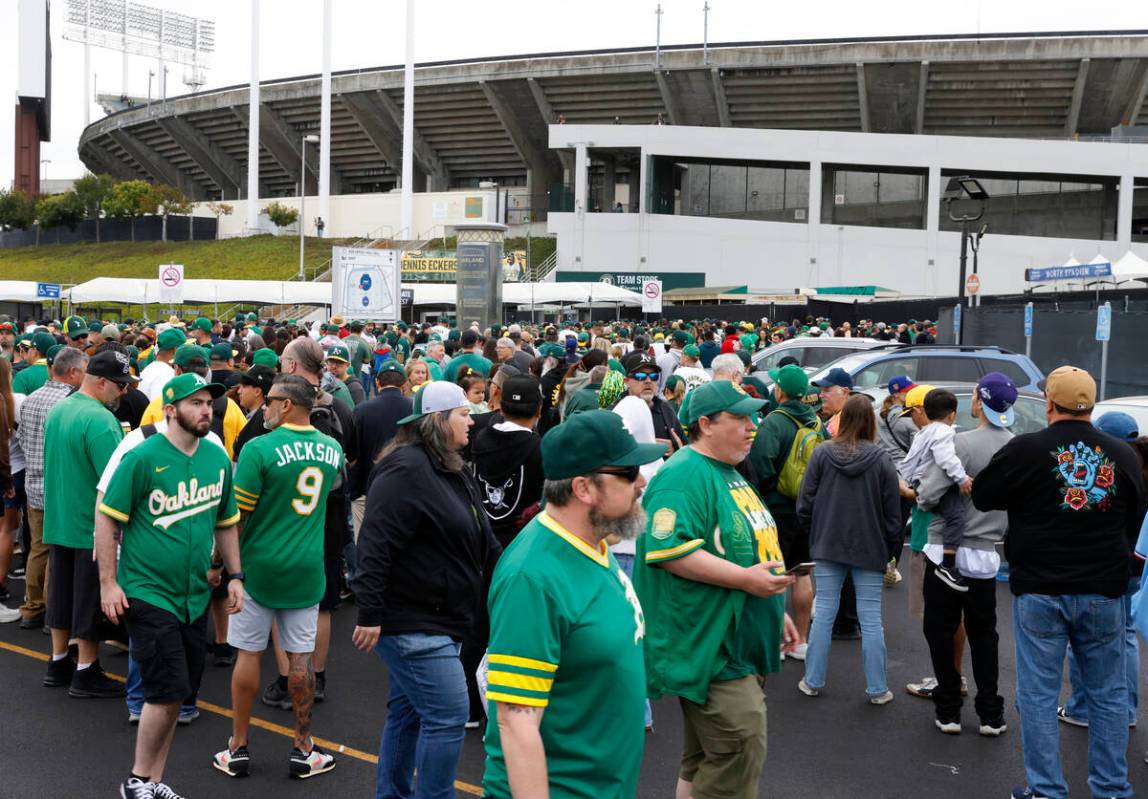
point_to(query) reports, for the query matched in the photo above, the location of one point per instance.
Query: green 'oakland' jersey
(30, 378)
(282, 480)
(170, 505)
(80, 435)
(566, 635)
(701, 633)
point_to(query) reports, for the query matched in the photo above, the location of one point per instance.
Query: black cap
(636, 361)
(469, 338)
(259, 376)
(112, 365)
(522, 388)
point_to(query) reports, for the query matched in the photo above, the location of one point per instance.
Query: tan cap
(1071, 388)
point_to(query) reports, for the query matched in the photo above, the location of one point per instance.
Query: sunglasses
(627, 473)
(271, 399)
(645, 376)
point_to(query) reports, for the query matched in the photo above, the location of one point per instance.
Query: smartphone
(802, 569)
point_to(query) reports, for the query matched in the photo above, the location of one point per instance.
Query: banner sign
(634, 280)
(1068, 272)
(365, 283)
(441, 266)
(407, 297)
(171, 283)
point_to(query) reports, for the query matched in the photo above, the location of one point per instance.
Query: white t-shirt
(154, 377)
(638, 420)
(693, 376)
(132, 440)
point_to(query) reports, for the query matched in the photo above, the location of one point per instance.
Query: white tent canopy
(1130, 267)
(18, 291)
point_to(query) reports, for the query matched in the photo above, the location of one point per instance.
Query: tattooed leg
(301, 686)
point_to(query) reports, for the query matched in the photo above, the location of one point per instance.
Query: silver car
(1029, 407)
(1136, 407)
(811, 353)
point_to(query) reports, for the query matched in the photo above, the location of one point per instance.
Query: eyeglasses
(271, 399)
(627, 473)
(645, 376)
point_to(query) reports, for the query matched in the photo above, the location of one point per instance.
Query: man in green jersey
(281, 485)
(32, 377)
(170, 499)
(566, 628)
(80, 434)
(710, 576)
(469, 356)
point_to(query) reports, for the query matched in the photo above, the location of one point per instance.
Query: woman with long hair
(10, 521)
(850, 503)
(425, 557)
(418, 373)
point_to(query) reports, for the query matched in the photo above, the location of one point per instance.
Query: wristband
(240, 576)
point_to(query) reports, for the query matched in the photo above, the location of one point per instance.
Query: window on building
(1140, 210)
(762, 190)
(873, 196)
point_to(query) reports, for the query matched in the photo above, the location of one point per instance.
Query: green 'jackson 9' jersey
(701, 633)
(282, 480)
(566, 635)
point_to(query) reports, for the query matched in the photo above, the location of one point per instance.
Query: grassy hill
(253, 258)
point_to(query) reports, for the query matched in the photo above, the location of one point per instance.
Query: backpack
(324, 419)
(805, 440)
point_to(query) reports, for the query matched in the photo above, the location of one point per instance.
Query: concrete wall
(780, 255)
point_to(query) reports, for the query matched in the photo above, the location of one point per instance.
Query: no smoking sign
(171, 282)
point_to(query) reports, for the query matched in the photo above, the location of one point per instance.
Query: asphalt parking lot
(833, 747)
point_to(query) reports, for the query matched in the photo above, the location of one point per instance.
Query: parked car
(1029, 406)
(811, 353)
(935, 363)
(1136, 407)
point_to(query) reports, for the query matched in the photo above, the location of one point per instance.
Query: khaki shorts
(916, 584)
(723, 746)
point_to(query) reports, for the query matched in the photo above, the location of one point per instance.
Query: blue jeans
(1044, 626)
(830, 576)
(1077, 704)
(368, 384)
(626, 561)
(134, 687)
(426, 717)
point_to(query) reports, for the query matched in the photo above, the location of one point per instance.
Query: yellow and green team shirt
(80, 435)
(170, 505)
(566, 635)
(30, 378)
(282, 480)
(701, 633)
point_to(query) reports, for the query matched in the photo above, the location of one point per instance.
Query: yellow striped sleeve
(112, 512)
(239, 492)
(244, 506)
(519, 680)
(526, 663)
(228, 522)
(681, 550)
(516, 700)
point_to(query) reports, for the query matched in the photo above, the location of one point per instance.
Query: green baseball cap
(222, 352)
(583, 337)
(75, 326)
(791, 379)
(717, 397)
(23, 342)
(186, 352)
(437, 397)
(96, 326)
(185, 385)
(202, 323)
(390, 366)
(251, 317)
(51, 354)
(265, 356)
(681, 337)
(170, 339)
(337, 352)
(692, 351)
(589, 441)
(43, 342)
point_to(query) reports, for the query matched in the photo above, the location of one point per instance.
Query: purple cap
(997, 394)
(900, 383)
(836, 377)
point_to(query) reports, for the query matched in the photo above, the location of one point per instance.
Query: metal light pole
(308, 138)
(706, 34)
(658, 39)
(975, 243)
(964, 187)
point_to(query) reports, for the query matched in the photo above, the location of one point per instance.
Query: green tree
(92, 191)
(17, 210)
(60, 210)
(170, 200)
(130, 200)
(219, 210)
(281, 215)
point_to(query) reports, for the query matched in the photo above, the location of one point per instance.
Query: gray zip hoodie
(974, 448)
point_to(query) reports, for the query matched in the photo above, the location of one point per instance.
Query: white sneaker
(881, 699)
(8, 615)
(803, 686)
(798, 652)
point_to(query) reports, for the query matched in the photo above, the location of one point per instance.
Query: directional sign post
(1103, 333)
(1028, 330)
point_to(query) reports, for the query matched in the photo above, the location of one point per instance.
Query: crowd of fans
(607, 513)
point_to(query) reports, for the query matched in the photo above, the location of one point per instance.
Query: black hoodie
(508, 468)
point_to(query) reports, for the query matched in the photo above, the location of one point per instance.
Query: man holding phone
(713, 634)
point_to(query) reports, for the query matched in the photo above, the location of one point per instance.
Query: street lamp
(44, 169)
(308, 138)
(964, 188)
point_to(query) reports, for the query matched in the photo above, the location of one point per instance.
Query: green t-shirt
(699, 633)
(919, 523)
(30, 378)
(338, 389)
(434, 368)
(282, 479)
(170, 505)
(359, 351)
(80, 435)
(565, 635)
(471, 359)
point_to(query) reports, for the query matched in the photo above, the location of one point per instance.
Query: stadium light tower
(406, 202)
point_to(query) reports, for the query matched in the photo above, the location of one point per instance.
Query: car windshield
(850, 363)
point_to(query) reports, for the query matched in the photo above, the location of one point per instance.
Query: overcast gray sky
(370, 33)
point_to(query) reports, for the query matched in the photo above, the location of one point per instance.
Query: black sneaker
(224, 655)
(4, 594)
(949, 726)
(135, 788)
(162, 791)
(993, 727)
(274, 696)
(32, 622)
(304, 765)
(93, 683)
(320, 688)
(16, 573)
(60, 673)
(233, 764)
(952, 579)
